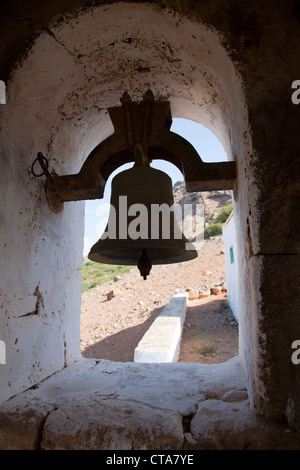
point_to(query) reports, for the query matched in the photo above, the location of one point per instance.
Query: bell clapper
(144, 264)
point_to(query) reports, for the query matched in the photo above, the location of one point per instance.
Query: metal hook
(44, 165)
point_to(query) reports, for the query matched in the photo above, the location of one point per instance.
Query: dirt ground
(210, 333)
(116, 315)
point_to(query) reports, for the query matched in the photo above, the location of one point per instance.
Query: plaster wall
(40, 282)
(80, 62)
(40, 285)
(56, 103)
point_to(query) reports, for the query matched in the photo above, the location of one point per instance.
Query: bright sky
(204, 141)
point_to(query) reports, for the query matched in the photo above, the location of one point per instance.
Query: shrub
(216, 228)
(95, 274)
(213, 230)
(224, 214)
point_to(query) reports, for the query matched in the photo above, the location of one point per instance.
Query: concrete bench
(161, 342)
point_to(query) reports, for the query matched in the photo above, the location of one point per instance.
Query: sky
(203, 140)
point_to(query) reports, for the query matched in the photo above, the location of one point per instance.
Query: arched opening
(210, 331)
(204, 141)
(227, 65)
(200, 85)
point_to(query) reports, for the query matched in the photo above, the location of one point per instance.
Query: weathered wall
(56, 104)
(227, 65)
(270, 265)
(40, 283)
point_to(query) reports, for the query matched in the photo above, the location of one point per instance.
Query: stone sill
(102, 405)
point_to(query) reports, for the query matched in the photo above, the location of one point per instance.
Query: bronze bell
(137, 233)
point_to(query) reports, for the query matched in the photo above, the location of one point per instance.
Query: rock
(117, 278)
(235, 396)
(215, 290)
(113, 294)
(192, 294)
(180, 291)
(108, 423)
(224, 425)
(20, 426)
(204, 293)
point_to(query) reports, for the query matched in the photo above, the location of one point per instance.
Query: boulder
(193, 294)
(108, 423)
(216, 290)
(21, 425)
(204, 293)
(113, 294)
(223, 425)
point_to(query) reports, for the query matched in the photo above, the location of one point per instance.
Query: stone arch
(57, 102)
(57, 97)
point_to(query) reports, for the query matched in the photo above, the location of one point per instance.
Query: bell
(142, 229)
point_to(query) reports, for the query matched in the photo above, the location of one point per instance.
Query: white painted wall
(40, 287)
(231, 264)
(41, 252)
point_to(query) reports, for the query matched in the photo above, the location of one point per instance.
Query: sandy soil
(111, 329)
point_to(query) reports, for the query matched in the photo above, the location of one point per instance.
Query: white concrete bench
(161, 342)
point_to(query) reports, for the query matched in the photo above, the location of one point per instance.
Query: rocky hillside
(213, 201)
(116, 315)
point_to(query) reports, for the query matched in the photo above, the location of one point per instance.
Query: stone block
(111, 424)
(219, 425)
(21, 423)
(162, 340)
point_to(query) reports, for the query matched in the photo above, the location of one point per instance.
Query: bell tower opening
(233, 70)
(118, 307)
